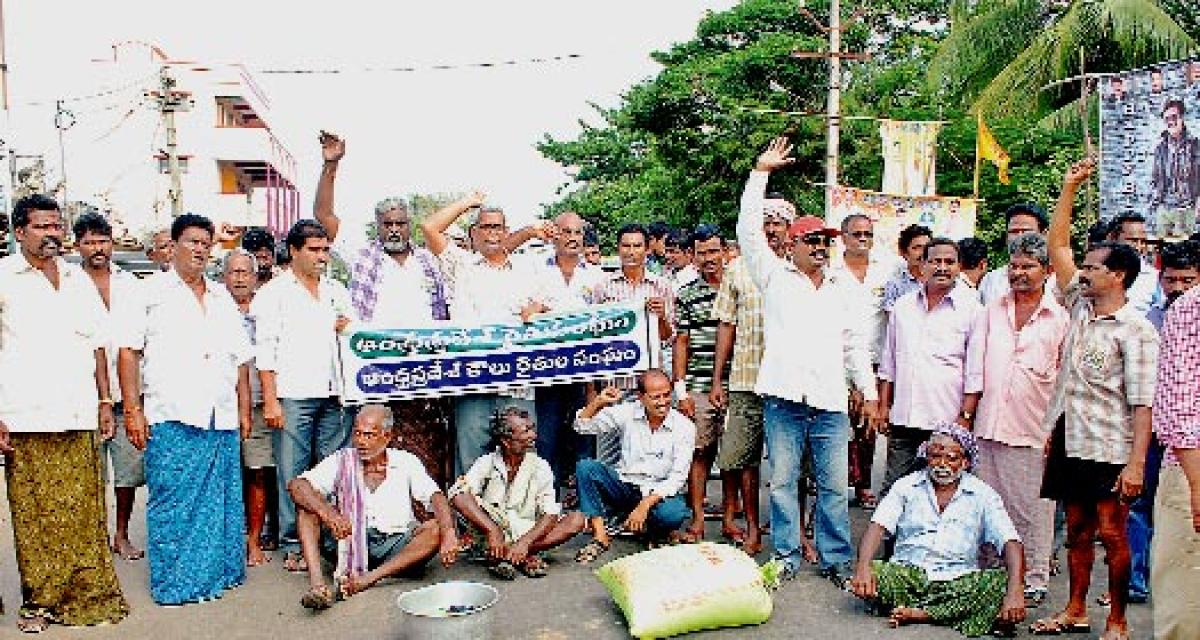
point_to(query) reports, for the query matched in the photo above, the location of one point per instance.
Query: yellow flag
(988, 148)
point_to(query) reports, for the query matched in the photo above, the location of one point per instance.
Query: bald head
(569, 243)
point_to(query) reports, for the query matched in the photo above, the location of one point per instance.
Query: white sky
(427, 131)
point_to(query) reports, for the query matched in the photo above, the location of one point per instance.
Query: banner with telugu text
(946, 216)
(604, 341)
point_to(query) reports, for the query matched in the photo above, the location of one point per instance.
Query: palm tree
(1000, 54)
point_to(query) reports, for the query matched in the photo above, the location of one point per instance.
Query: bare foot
(351, 584)
(753, 543)
(907, 615)
(255, 555)
(810, 550)
(732, 532)
(125, 549)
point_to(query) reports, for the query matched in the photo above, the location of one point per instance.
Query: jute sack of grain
(674, 590)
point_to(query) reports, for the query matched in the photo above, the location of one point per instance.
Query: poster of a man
(1149, 151)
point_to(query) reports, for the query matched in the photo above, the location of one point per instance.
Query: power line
(429, 67)
(139, 84)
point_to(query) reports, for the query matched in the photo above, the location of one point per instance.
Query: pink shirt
(1176, 410)
(1020, 365)
(932, 357)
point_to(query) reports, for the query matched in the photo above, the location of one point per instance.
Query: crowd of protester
(1044, 384)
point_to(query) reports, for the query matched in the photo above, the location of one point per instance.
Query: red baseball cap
(805, 225)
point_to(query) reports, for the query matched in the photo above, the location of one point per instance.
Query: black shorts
(1074, 479)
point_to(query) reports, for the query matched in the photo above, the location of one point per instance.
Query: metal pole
(167, 105)
(60, 122)
(834, 133)
(3, 63)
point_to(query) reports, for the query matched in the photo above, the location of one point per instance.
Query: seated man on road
(657, 443)
(940, 517)
(508, 495)
(363, 495)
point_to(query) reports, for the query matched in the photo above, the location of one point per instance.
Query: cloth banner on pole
(1149, 150)
(909, 157)
(600, 342)
(953, 218)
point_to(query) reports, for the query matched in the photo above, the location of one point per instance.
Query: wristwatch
(969, 416)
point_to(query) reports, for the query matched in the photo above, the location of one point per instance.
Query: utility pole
(833, 116)
(63, 120)
(171, 101)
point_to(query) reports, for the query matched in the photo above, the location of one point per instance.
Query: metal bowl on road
(455, 610)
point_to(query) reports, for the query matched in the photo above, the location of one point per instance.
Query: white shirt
(523, 501)
(122, 290)
(1145, 290)
(389, 506)
(401, 286)
(561, 294)
(191, 351)
(685, 276)
(296, 335)
(484, 294)
(994, 285)
(881, 266)
(48, 339)
(656, 460)
(813, 338)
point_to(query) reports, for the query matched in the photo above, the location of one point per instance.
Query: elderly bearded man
(363, 495)
(394, 284)
(940, 517)
(507, 496)
(197, 395)
(54, 391)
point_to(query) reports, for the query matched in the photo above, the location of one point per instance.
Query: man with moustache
(566, 282)
(54, 396)
(931, 369)
(912, 242)
(870, 270)
(1130, 229)
(1019, 219)
(188, 332)
(695, 350)
(298, 316)
(240, 271)
(739, 349)
(805, 406)
(1022, 333)
(940, 517)
(1099, 415)
(591, 247)
(259, 242)
(488, 288)
(114, 285)
(394, 284)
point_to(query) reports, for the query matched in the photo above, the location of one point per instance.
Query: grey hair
(500, 426)
(390, 203)
(1032, 245)
(385, 414)
(487, 208)
(233, 253)
(148, 238)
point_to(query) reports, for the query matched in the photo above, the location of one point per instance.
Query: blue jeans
(1140, 526)
(557, 442)
(791, 427)
(313, 429)
(472, 425)
(603, 493)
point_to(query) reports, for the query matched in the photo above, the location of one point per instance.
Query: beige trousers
(1175, 560)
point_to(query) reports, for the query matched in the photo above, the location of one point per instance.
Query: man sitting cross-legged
(940, 516)
(370, 514)
(657, 443)
(508, 496)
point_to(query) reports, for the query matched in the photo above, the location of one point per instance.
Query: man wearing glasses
(1175, 179)
(813, 332)
(868, 272)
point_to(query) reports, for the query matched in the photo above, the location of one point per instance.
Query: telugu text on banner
(600, 342)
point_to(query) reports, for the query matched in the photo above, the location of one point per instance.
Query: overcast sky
(424, 131)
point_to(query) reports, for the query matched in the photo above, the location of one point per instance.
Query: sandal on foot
(591, 552)
(294, 563)
(503, 570)
(32, 622)
(533, 567)
(1058, 625)
(317, 598)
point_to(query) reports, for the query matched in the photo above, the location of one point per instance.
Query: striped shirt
(618, 288)
(1176, 411)
(740, 303)
(695, 308)
(1109, 367)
